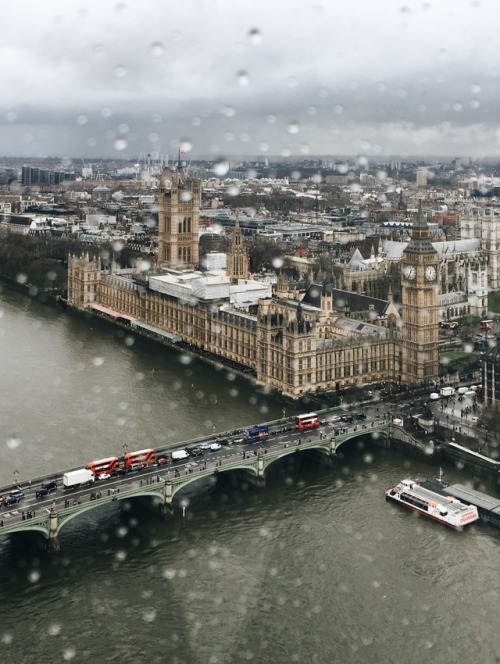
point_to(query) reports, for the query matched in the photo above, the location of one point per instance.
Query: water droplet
(156, 118)
(457, 107)
(292, 82)
(338, 110)
(221, 167)
(255, 37)
(34, 576)
(233, 190)
(304, 148)
(54, 629)
(68, 654)
(244, 138)
(149, 615)
(382, 175)
(317, 178)
(475, 104)
(153, 137)
(156, 49)
(105, 112)
(263, 147)
(295, 175)
(228, 111)
(185, 145)
(293, 127)
(475, 89)
(13, 443)
(277, 262)
(11, 116)
(242, 78)
(120, 71)
(381, 87)
(271, 119)
(82, 120)
(312, 110)
(120, 144)
(229, 136)
(98, 361)
(98, 49)
(196, 122)
(186, 196)
(286, 152)
(123, 128)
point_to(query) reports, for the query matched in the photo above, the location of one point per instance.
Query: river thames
(316, 568)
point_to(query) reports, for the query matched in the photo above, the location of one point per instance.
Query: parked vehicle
(11, 500)
(447, 391)
(215, 446)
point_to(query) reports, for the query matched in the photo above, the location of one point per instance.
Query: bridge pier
(167, 507)
(260, 480)
(53, 545)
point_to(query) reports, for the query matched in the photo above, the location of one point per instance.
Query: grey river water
(316, 568)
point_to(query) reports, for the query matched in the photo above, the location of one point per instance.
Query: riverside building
(296, 346)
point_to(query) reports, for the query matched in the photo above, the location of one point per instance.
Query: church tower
(420, 306)
(178, 220)
(237, 259)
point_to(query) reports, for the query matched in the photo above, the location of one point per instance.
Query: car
(118, 471)
(336, 418)
(103, 476)
(11, 500)
(16, 493)
(215, 446)
(50, 486)
(135, 466)
(162, 461)
(205, 446)
(41, 492)
(196, 452)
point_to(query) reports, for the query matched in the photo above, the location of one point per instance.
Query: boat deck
(432, 496)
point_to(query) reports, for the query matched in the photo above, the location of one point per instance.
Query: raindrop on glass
(221, 167)
(120, 144)
(120, 71)
(82, 120)
(242, 78)
(185, 145)
(293, 127)
(156, 49)
(255, 37)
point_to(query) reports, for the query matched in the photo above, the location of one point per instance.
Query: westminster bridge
(160, 484)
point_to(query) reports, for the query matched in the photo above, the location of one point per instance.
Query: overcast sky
(228, 78)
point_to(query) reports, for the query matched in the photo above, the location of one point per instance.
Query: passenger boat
(445, 509)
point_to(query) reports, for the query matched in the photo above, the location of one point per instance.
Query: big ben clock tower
(420, 311)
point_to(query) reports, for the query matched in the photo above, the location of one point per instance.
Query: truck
(178, 455)
(447, 391)
(74, 478)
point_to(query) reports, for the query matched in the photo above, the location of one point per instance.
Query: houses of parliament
(318, 340)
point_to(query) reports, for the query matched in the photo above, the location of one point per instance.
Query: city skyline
(220, 81)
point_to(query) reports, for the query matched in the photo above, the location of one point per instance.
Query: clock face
(430, 273)
(410, 272)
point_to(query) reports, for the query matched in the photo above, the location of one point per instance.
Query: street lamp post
(125, 448)
(16, 475)
(284, 412)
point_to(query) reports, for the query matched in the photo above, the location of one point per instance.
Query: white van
(178, 455)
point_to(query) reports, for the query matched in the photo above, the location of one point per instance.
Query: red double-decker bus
(104, 466)
(307, 421)
(144, 457)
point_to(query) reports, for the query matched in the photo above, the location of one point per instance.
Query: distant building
(422, 177)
